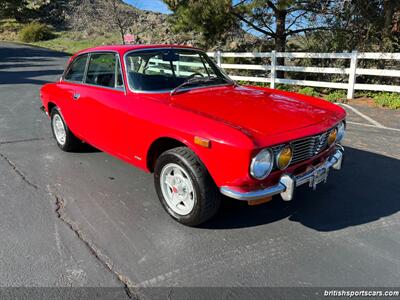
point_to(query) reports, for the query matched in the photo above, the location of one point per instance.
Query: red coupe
(171, 111)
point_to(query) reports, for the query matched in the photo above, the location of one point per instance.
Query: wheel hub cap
(177, 188)
(59, 130)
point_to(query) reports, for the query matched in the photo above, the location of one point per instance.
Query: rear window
(76, 70)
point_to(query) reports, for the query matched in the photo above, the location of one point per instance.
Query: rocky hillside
(152, 27)
(80, 24)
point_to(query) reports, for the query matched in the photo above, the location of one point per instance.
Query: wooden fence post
(273, 68)
(218, 57)
(352, 75)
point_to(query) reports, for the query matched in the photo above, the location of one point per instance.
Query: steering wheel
(195, 74)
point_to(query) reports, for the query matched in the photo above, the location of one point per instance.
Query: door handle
(76, 96)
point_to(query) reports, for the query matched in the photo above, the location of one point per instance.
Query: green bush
(368, 94)
(336, 96)
(309, 91)
(260, 84)
(390, 100)
(284, 87)
(35, 32)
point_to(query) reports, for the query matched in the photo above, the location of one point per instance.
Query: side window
(76, 69)
(104, 70)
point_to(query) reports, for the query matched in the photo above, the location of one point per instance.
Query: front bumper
(288, 183)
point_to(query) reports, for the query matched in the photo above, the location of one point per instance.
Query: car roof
(122, 49)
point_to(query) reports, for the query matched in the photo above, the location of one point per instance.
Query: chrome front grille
(306, 148)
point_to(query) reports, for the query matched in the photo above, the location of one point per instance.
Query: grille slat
(306, 148)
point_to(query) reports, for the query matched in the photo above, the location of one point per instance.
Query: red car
(171, 111)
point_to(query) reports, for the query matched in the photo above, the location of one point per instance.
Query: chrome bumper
(288, 183)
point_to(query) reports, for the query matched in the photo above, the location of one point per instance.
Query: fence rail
(351, 72)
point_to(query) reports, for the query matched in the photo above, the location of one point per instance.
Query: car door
(71, 89)
(102, 101)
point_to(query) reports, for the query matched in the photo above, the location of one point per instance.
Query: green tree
(24, 10)
(12, 8)
(274, 19)
(372, 25)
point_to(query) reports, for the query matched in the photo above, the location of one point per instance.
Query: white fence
(351, 72)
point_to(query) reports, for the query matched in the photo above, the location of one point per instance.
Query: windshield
(162, 70)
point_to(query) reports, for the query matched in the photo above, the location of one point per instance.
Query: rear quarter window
(76, 69)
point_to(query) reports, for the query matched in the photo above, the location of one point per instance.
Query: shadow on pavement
(27, 77)
(12, 56)
(21, 53)
(366, 190)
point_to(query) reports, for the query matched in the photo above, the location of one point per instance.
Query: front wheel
(66, 140)
(185, 188)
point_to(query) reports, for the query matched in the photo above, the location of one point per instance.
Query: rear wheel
(65, 139)
(185, 188)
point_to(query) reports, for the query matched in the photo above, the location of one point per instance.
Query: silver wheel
(177, 189)
(59, 129)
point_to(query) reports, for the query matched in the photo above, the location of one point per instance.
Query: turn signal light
(284, 157)
(332, 137)
(202, 142)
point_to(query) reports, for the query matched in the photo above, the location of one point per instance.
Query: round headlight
(341, 131)
(332, 137)
(261, 164)
(284, 157)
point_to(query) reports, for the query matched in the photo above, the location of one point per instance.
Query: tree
(119, 15)
(25, 10)
(363, 25)
(12, 9)
(111, 14)
(269, 19)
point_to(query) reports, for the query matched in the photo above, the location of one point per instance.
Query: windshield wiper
(195, 81)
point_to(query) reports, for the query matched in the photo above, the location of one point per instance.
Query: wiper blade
(193, 81)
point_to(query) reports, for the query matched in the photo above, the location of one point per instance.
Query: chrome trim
(340, 138)
(83, 82)
(287, 183)
(290, 184)
(254, 195)
(168, 91)
(271, 153)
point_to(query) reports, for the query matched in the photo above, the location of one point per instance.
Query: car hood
(258, 112)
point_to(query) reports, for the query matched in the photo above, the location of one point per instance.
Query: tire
(69, 142)
(204, 200)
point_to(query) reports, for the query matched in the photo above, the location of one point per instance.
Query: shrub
(35, 32)
(336, 96)
(390, 100)
(284, 87)
(260, 84)
(309, 91)
(368, 94)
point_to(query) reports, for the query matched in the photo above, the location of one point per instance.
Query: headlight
(261, 164)
(341, 131)
(332, 137)
(284, 157)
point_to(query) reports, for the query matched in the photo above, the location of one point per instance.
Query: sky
(153, 5)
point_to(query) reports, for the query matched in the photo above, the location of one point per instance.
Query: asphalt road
(88, 219)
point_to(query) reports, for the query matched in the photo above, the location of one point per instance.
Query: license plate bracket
(319, 175)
